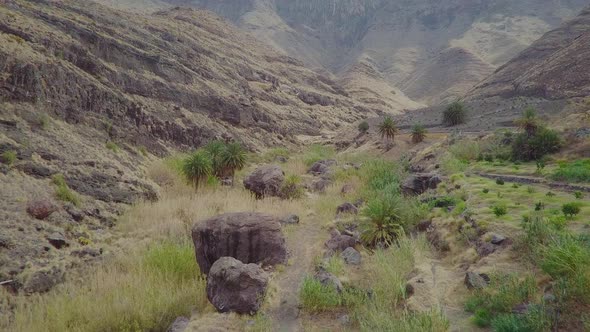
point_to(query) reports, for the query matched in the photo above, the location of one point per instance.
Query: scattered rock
(35, 170)
(233, 286)
(281, 159)
(549, 298)
(179, 325)
(41, 208)
(419, 183)
(291, 219)
(347, 208)
(410, 290)
(485, 249)
(74, 212)
(265, 181)
(344, 320)
(43, 280)
(351, 256)
(476, 281)
(340, 242)
(57, 240)
(347, 189)
(328, 279)
(321, 167)
(497, 239)
(87, 252)
(424, 225)
(246, 236)
(521, 309)
(320, 185)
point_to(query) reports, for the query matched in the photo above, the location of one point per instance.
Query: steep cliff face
(554, 67)
(92, 93)
(401, 37)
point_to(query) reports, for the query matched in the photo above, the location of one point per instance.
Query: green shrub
(500, 182)
(543, 142)
(316, 297)
(578, 195)
(539, 206)
(485, 190)
(363, 127)
(388, 129)
(383, 223)
(576, 171)
(444, 202)
(466, 150)
(570, 209)
(380, 175)
(112, 146)
(549, 194)
(291, 188)
(531, 189)
(515, 185)
(499, 210)
(8, 157)
(63, 191)
(455, 114)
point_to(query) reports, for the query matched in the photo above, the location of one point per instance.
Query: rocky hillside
(554, 67)
(409, 41)
(93, 94)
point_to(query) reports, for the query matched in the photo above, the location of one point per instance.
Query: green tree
(387, 128)
(233, 158)
(197, 168)
(528, 122)
(418, 133)
(455, 114)
(215, 149)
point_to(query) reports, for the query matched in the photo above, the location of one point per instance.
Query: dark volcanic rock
(476, 281)
(41, 208)
(419, 183)
(321, 167)
(328, 279)
(233, 286)
(291, 219)
(57, 240)
(43, 280)
(351, 256)
(265, 181)
(340, 242)
(247, 236)
(347, 208)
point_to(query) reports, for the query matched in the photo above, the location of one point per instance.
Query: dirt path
(305, 242)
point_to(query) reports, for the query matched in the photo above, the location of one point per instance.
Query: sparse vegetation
(8, 157)
(499, 210)
(316, 297)
(316, 153)
(418, 133)
(454, 115)
(575, 171)
(292, 188)
(112, 146)
(63, 191)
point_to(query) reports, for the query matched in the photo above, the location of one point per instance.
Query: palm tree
(215, 149)
(387, 128)
(418, 133)
(528, 122)
(197, 167)
(233, 158)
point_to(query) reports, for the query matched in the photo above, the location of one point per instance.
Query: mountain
(93, 93)
(556, 66)
(406, 41)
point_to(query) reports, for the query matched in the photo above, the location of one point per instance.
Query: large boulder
(41, 208)
(266, 180)
(321, 167)
(233, 286)
(340, 242)
(247, 236)
(419, 183)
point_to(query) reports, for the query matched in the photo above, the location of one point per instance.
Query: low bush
(578, 195)
(418, 133)
(63, 191)
(499, 210)
(485, 190)
(466, 150)
(8, 157)
(539, 206)
(291, 188)
(576, 171)
(363, 127)
(570, 209)
(500, 182)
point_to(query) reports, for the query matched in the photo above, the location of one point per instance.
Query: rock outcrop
(233, 286)
(418, 183)
(266, 180)
(247, 236)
